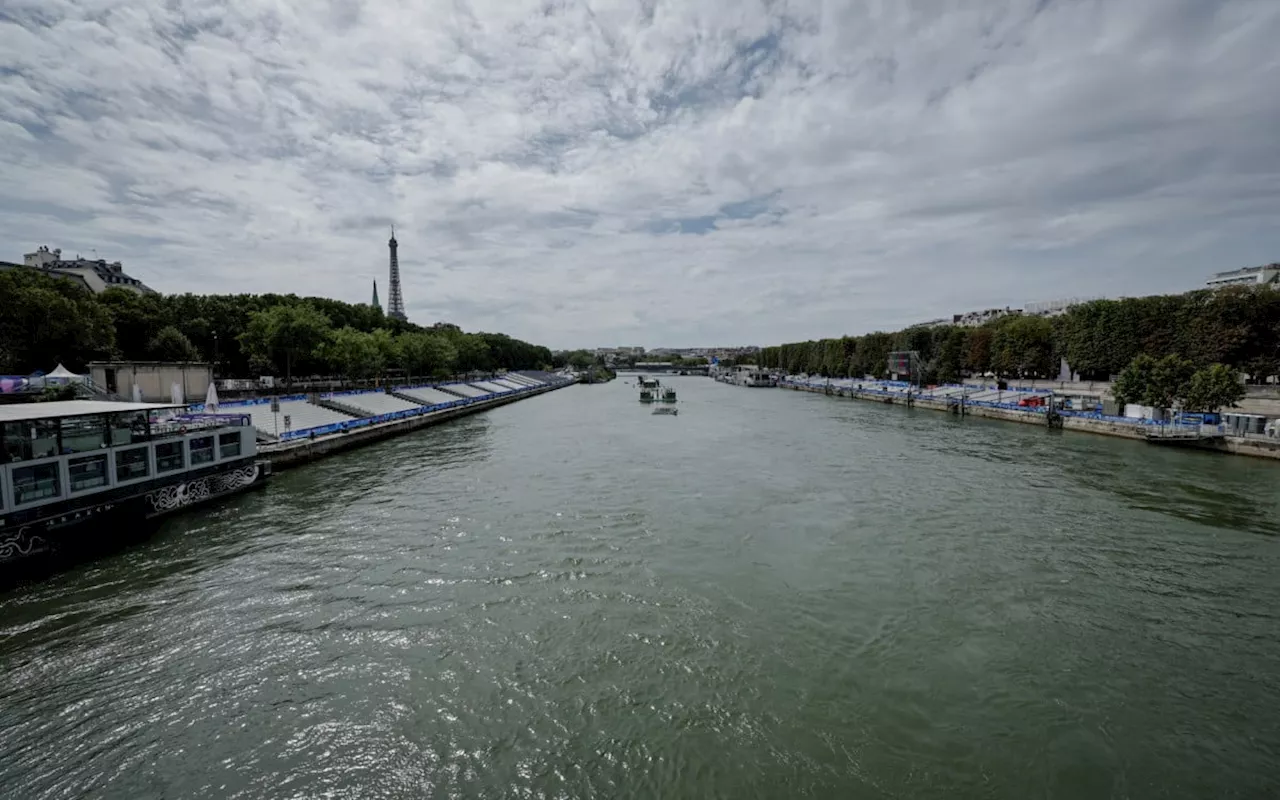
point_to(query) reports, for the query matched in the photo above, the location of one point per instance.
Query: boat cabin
(56, 452)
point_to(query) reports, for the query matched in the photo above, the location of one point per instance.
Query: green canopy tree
(1022, 347)
(1161, 383)
(951, 355)
(48, 321)
(1213, 388)
(137, 320)
(1133, 384)
(352, 353)
(171, 344)
(1170, 381)
(473, 352)
(580, 359)
(285, 334)
(427, 354)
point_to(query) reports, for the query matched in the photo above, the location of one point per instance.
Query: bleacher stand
(516, 377)
(509, 384)
(542, 377)
(376, 403)
(428, 395)
(469, 390)
(301, 415)
(491, 387)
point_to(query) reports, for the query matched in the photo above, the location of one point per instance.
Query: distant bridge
(666, 369)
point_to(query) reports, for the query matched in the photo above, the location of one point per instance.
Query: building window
(228, 445)
(36, 482)
(131, 464)
(87, 472)
(168, 456)
(201, 450)
(84, 434)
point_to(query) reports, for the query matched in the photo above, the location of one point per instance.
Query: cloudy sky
(616, 172)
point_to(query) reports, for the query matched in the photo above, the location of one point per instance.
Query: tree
(473, 352)
(170, 344)
(1170, 381)
(950, 361)
(1212, 388)
(1133, 384)
(351, 353)
(978, 357)
(581, 359)
(1158, 383)
(137, 319)
(1022, 347)
(285, 333)
(48, 321)
(387, 348)
(427, 353)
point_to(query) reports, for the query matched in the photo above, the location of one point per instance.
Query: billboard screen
(902, 362)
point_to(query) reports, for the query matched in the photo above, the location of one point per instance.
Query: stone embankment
(878, 393)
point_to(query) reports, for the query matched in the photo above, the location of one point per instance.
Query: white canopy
(62, 372)
(211, 399)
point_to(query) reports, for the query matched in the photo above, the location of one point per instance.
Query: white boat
(751, 375)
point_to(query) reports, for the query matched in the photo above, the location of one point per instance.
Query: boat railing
(185, 423)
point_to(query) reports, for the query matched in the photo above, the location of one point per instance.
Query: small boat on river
(666, 411)
(668, 395)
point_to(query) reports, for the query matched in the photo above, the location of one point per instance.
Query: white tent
(211, 400)
(61, 377)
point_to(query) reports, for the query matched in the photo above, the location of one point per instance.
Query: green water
(774, 594)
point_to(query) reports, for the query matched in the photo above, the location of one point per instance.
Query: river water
(774, 594)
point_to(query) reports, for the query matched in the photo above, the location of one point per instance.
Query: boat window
(228, 445)
(15, 446)
(36, 482)
(201, 450)
(169, 456)
(30, 439)
(131, 464)
(84, 434)
(87, 472)
(129, 427)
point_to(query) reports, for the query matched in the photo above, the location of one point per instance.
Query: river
(774, 594)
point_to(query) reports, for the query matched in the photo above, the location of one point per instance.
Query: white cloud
(648, 172)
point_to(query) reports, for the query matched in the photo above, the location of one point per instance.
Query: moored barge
(83, 475)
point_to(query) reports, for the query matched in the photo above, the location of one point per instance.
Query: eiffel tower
(395, 303)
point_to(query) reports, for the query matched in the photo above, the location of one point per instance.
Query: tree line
(1237, 327)
(48, 321)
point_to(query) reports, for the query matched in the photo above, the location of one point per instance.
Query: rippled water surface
(773, 594)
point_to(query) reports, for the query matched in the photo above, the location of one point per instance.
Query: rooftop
(1246, 270)
(22, 412)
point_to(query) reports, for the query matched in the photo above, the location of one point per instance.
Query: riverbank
(295, 452)
(1114, 426)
